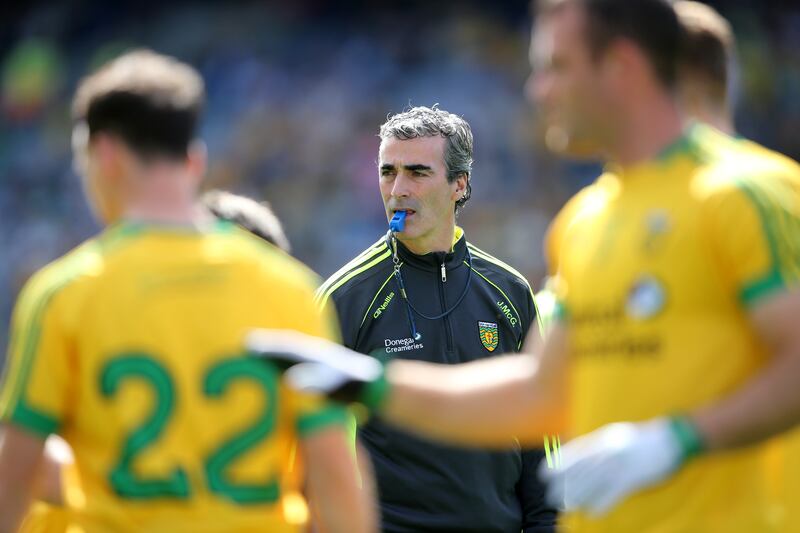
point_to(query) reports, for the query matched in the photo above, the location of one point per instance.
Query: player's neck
(649, 128)
(163, 196)
(700, 104)
(720, 120)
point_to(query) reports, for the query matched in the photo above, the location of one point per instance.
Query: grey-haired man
(423, 292)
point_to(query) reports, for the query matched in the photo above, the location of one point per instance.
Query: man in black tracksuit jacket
(451, 305)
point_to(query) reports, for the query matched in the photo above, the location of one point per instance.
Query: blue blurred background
(296, 93)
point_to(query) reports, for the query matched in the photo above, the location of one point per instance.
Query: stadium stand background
(296, 92)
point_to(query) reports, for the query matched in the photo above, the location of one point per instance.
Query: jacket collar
(433, 261)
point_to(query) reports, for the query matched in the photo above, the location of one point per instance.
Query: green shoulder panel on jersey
(780, 222)
(122, 232)
(117, 234)
(698, 143)
(33, 303)
(363, 261)
(491, 259)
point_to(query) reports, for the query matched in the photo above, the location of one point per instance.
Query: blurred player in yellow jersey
(678, 279)
(47, 513)
(705, 92)
(130, 347)
(707, 69)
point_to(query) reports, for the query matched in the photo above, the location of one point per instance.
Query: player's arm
(486, 402)
(340, 503)
(34, 390)
(20, 458)
(770, 402)
(762, 261)
(57, 455)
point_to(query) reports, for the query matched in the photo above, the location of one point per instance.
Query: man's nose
(402, 186)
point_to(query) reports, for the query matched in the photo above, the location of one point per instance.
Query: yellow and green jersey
(657, 266)
(131, 348)
(783, 455)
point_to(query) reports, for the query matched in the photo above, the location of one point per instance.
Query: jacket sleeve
(531, 319)
(537, 515)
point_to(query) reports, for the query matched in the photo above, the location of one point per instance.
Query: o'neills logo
(401, 345)
(383, 306)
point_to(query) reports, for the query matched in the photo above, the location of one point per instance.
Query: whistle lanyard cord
(410, 309)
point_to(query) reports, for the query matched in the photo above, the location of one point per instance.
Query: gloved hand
(602, 468)
(319, 366)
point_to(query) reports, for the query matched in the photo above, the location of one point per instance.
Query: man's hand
(602, 468)
(319, 366)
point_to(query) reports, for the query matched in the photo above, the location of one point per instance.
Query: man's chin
(407, 237)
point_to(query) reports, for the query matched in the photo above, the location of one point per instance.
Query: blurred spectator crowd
(296, 93)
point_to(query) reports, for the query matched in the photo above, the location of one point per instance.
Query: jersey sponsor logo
(487, 331)
(629, 347)
(646, 298)
(598, 315)
(506, 310)
(616, 318)
(401, 345)
(383, 306)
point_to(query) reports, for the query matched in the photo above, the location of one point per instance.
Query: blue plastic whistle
(398, 222)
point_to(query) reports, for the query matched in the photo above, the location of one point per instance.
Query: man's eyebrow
(416, 167)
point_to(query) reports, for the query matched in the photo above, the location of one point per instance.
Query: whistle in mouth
(398, 222)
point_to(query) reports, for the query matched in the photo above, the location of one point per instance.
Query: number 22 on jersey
(145, 368)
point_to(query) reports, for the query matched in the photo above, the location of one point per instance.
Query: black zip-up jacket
(425, 486)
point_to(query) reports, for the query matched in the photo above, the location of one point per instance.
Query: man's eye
(417, 173)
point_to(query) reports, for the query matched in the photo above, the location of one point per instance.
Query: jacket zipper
(448, 330)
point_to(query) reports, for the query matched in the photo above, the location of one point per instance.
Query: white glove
(317, 365)
(602, 468)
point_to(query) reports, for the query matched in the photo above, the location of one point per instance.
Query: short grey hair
(425, 121)
(256, 217)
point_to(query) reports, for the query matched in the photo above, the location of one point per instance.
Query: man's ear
(461, 186)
